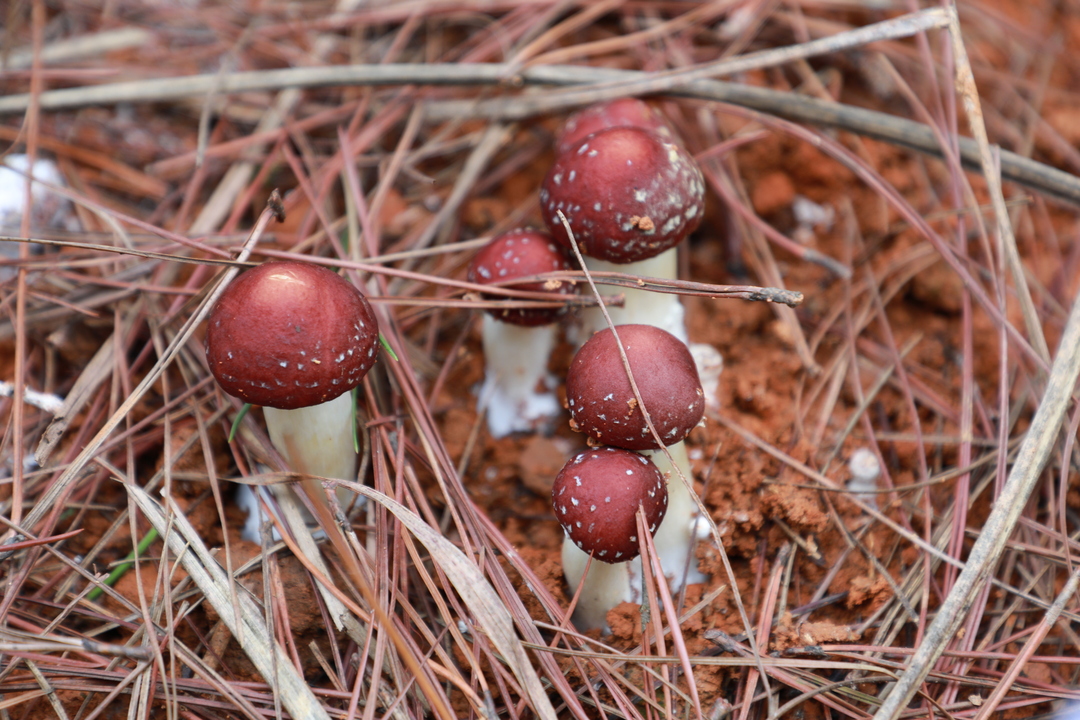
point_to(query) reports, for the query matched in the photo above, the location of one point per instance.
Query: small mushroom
(603, 406)
(518, 341)
(629, 197)
(596, 496)
(865, 470)
(602, 402)
(296, 338)
(624, 112)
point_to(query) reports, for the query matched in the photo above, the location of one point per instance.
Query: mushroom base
(606, 586)
(516, 361)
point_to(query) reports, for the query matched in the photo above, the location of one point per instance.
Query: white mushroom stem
(865, 470)
(643, 307)
(317, 440)
(516, 360)
(675, 538)
(606, 585)
(709, 363)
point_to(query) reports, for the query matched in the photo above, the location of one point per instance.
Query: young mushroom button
(596, 496)
(518, 341)
(602, 402)
(517, 254)
(624, 112)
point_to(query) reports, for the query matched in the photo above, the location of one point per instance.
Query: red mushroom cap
(596, 496)
(290, 335)
(602, 403)
(521, 253)
(624, 112)
(627, 194)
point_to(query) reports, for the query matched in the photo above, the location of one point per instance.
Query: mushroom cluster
(628, 193)
(624, 193)
(295, 338)
(604, 405)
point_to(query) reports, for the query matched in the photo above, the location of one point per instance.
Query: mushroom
(865, 470)
(518, 341)
(624, 112)
(629, 197)
(596, 496)
(603, 406)
(296, 338)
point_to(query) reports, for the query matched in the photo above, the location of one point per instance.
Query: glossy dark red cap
(601, 400)
(596, 496)
(516, 254)
(290, 335)
(627, 194)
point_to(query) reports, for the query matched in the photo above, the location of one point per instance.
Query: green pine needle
(387, 348)
(355, 430)
(123, 567)
(236, 422)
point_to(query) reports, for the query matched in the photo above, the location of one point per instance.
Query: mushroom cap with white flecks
(517, 254)
(624, 112)
(289, 335)
(596, 496)
(601, 400)
(627, 194)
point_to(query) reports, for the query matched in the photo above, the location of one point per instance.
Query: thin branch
(906, 133)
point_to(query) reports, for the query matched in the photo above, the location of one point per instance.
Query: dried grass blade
(95, 372)
(1032, 644)
(668, 604)
(80, 47)
(965, 83)
(249, 631)
(47, 688)
(664, 81)
(488, 610)
(889, 128)
(217, 208)
(494, 139)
